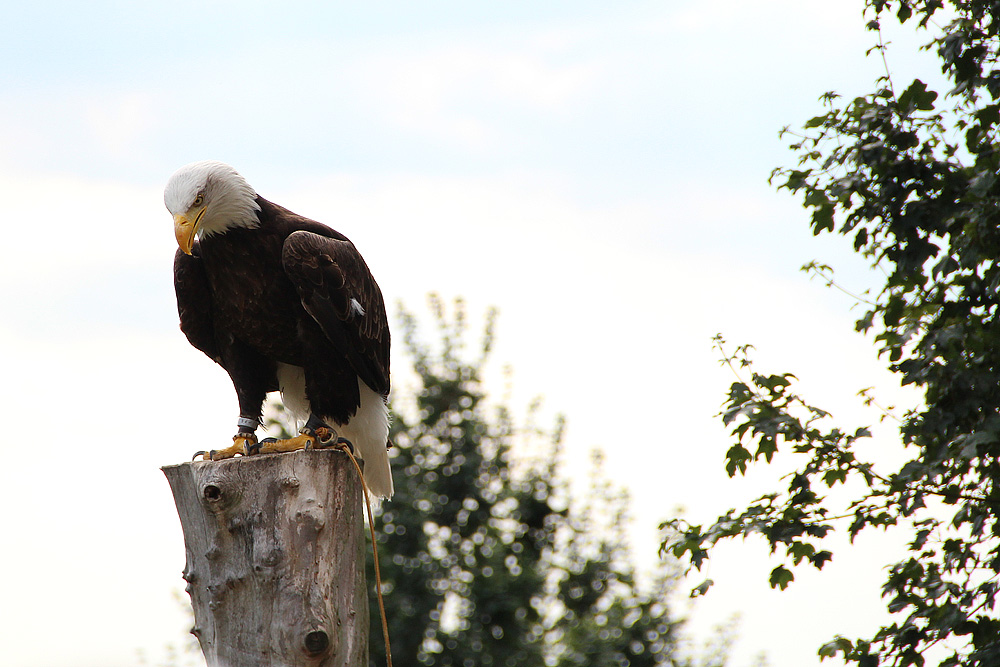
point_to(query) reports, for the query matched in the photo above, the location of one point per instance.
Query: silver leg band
(245, 423)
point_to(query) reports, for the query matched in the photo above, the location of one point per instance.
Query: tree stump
(275, 559)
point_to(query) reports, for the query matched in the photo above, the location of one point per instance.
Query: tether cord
(378, 574)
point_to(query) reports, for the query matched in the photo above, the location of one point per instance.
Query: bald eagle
(283, 303)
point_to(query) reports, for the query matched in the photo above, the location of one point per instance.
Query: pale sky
(598, 171)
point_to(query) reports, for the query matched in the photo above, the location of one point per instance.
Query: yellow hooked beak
(185, 228)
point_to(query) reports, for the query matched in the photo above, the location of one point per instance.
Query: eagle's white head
(208, 198)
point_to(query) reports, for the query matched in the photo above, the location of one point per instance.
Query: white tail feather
(292, 382)
(368, 429)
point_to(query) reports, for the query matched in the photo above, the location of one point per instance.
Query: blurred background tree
(486, 560)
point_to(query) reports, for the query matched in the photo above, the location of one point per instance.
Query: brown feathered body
(291, 302)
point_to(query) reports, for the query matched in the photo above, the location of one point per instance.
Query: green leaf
(736, 459)
(916, 97)
(815, 121)
(781, 577)
(800, 550)
(822, 218)
(774, 382)
(837, 476)
(832, 648)
(766, 448)
(701, 588)
(821, 559)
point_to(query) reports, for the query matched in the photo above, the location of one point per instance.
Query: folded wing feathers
(333, 281)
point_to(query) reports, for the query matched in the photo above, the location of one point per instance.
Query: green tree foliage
(909, 173)
(484, 558)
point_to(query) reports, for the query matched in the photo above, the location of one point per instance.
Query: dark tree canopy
(908, 173)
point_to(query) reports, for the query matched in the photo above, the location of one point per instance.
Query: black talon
(197, 454)
(348, 443)
(307, 431)
(252, 448)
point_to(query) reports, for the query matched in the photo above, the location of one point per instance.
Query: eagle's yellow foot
(306, 439)
(302, 441)
(243, 444)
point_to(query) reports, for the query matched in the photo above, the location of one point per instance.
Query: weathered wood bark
(275, 559)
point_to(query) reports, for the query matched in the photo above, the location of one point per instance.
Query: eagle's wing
(194, 304)
(339, 292)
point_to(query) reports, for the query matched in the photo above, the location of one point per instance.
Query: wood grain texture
(275, 559)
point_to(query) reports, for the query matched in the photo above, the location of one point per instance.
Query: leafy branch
(909, 175)
(766, 415)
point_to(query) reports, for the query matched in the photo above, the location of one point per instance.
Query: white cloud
(79, 223)
(120, 122)
(453, 93)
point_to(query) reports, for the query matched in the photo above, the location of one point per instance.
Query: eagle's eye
(199, 200)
